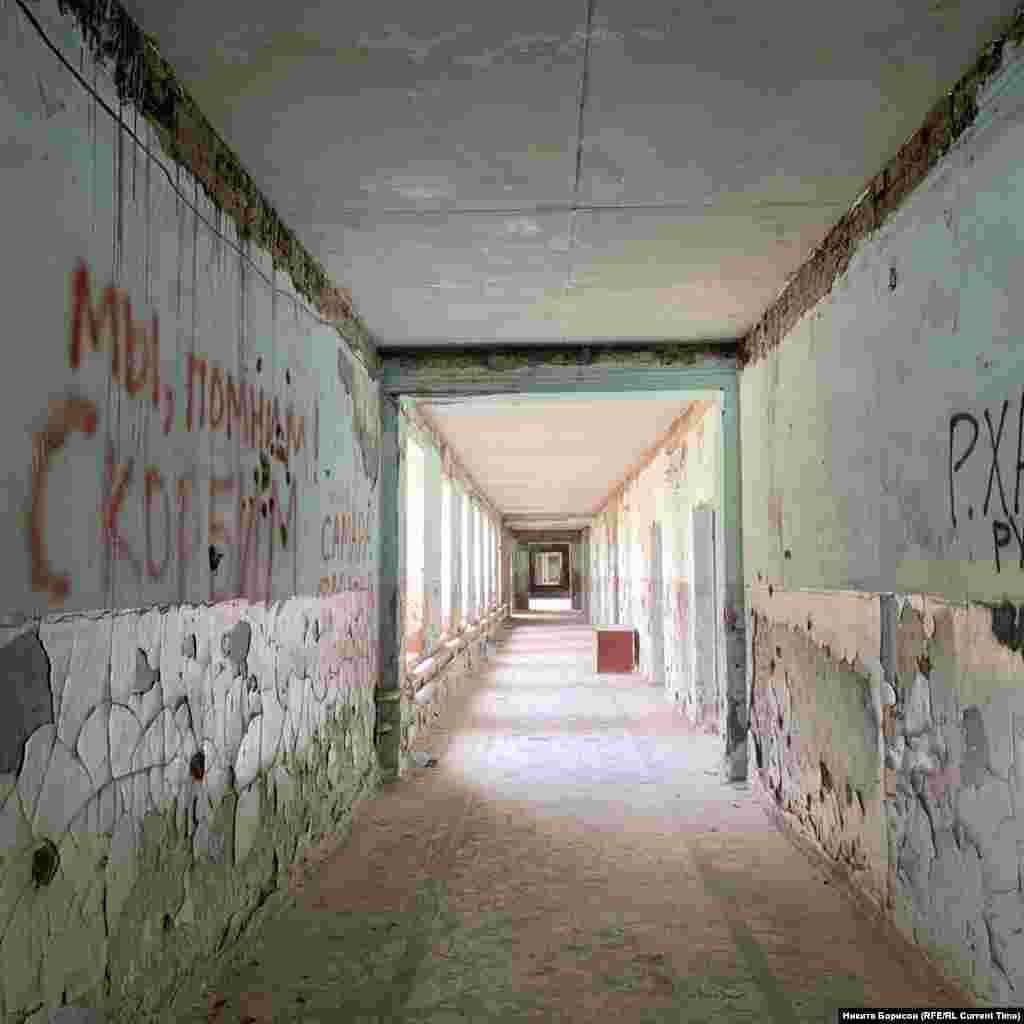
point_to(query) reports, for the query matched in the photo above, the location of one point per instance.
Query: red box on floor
(615, 649)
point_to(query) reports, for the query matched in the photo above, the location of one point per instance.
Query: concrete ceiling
(552, 462)
(438, 160)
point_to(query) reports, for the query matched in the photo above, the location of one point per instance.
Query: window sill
(421, 666)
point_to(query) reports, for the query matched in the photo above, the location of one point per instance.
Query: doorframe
(481, 375)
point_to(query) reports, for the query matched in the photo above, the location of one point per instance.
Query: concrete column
(589, 605)
(521, 577)
(478, 541)
(470, 556)
(613, 565)
(391, 569)
(489, 572)
(481, 600)
(705, 627)
(655, 608)
(732, 653)
(494, 563)
(458, 498)
(587, 574)
(577, 573)
(485, 523)
(506, 567)
(432, 518)
(493, 548)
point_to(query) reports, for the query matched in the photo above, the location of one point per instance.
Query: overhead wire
(193, 206)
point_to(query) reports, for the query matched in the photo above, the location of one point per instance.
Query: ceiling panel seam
(581, 108)
(611, 206)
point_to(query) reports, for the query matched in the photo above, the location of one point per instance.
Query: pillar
(585, 572)
(732, 652)
(455, 522)
(470, 558)
(505, 596)
(391, 569)
(432, 605)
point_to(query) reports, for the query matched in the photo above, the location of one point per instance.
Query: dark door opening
(550, 579)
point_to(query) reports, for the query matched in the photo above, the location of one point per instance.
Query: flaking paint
(872, 558)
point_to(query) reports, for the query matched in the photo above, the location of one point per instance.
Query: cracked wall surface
(883, 563)
(188, 620)
(906, 767)
(815, 724)
(189, 752)
(642, 569)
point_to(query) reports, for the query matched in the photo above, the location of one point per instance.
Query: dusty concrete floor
(573, 856)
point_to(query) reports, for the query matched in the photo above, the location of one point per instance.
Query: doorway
(550, 578)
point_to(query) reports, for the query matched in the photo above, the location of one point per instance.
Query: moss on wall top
(146, 81)
(469, 360)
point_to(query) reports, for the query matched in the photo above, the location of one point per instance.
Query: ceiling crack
(580, 136)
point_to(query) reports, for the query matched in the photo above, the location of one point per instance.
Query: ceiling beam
(547, 537)
(523, 523)
(455, 371)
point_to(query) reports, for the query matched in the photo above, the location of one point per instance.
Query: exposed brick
(886, 192)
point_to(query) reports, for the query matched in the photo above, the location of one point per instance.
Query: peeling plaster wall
(816, 724)
(881, 457)
(641, 561)
(187, 615)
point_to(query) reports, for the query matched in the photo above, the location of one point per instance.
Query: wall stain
(1008, 625)
(25, 699)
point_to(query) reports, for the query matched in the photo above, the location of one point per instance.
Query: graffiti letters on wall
(234, 515)
(252, 511)
(980, 487)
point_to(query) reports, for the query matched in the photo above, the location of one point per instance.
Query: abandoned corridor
(327, 364)
(572, 856)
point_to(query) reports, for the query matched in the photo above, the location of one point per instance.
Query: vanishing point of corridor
(572, 855)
